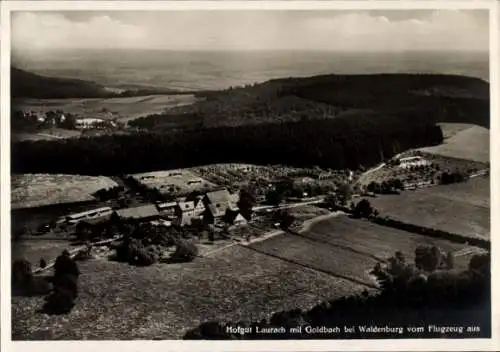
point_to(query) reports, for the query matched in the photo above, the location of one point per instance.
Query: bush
(363, 209)
(185, 251)
(429, 258)
(66, 282)
(64, 265)
(135, 253)
(61, 301)
(21, 272)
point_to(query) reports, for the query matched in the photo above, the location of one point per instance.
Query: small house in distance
(143, 213)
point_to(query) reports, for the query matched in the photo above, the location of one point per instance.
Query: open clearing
(348, 248)
(461, 208)
(124, 109)
(46, 134)
(472, 143)
(34, 190)
(173, 181)
(120, 302)
(33, 250)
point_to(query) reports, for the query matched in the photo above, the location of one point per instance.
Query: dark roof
(141, 212)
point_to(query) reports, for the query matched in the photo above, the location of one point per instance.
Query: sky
(388, 30)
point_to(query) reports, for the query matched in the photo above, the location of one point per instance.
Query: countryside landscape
(284, 207)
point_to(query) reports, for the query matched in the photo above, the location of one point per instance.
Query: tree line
(342, 143)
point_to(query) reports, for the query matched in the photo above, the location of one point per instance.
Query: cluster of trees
(141, 244)
(147, 250)
(448, 177)
(363, 209)
(105, 194)
(65, 285)
(341, 143)
(424, 291)
(168, 121)
(25, 283)
(61, 289)
(390, 186)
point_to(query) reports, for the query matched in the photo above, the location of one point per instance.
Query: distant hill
(435, 98)
(30, 85)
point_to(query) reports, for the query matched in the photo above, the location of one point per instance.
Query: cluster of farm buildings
(213, 208)
(59, 118)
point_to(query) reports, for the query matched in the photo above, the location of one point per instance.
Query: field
(34, 190)
(450, 129)
(461, 208)
(118, 302)
(34, 249)
(124, 109)
(472, 143)
(349, 248)
(46, 134)
(173, 181)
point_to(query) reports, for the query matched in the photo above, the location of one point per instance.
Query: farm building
(184, 213)
(220, 199)
(234, 218)
(161, 223)
(199, 207)
(217, 205)
(84, 123)
(142, 213)
(413, 161)
(86, 215)
(167, 208)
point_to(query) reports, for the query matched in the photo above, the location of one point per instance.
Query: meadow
(349, 249)
(461, 208)
(163, 301)
(35, 190)
(472, 143)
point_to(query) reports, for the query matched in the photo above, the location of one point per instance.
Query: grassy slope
(34, 190)
(347, 247)
(462, 208)
(163, 301)
(471, 143)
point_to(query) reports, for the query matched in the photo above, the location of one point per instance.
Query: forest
(330, 143)
(429, 98)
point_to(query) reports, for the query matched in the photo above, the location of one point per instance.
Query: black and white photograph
(248, 174)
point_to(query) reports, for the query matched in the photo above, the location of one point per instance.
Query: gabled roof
(218, 197)
(186, 206)
(199, 204)
(144, 211)
(217, 212)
